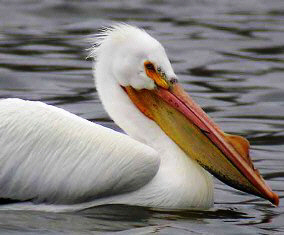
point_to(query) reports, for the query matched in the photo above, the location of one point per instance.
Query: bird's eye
(150, 66)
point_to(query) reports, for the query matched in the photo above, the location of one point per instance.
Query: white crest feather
(120, 31)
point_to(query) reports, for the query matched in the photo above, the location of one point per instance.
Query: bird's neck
(174, 162)
(121, 109)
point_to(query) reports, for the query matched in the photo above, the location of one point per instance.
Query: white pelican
(50, 158)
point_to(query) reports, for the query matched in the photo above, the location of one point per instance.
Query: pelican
(51, 159)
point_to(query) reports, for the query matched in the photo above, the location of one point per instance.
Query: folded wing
(50, 155)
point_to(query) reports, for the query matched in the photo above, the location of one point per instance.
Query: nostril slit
(173, 80)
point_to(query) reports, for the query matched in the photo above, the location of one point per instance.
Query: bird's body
(53, 160)
(85, 164)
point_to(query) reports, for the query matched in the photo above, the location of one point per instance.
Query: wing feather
(50, 155)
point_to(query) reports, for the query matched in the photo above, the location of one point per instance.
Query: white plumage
(59, 161)
(48, 154)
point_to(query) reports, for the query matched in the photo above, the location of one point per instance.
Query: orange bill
(225, 156)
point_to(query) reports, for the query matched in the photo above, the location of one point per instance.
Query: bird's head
(133, 57)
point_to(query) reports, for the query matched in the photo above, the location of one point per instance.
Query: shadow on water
(112, 218)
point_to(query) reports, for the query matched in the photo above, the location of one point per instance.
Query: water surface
(229, 55)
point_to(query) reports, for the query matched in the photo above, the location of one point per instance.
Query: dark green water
(229, 55)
